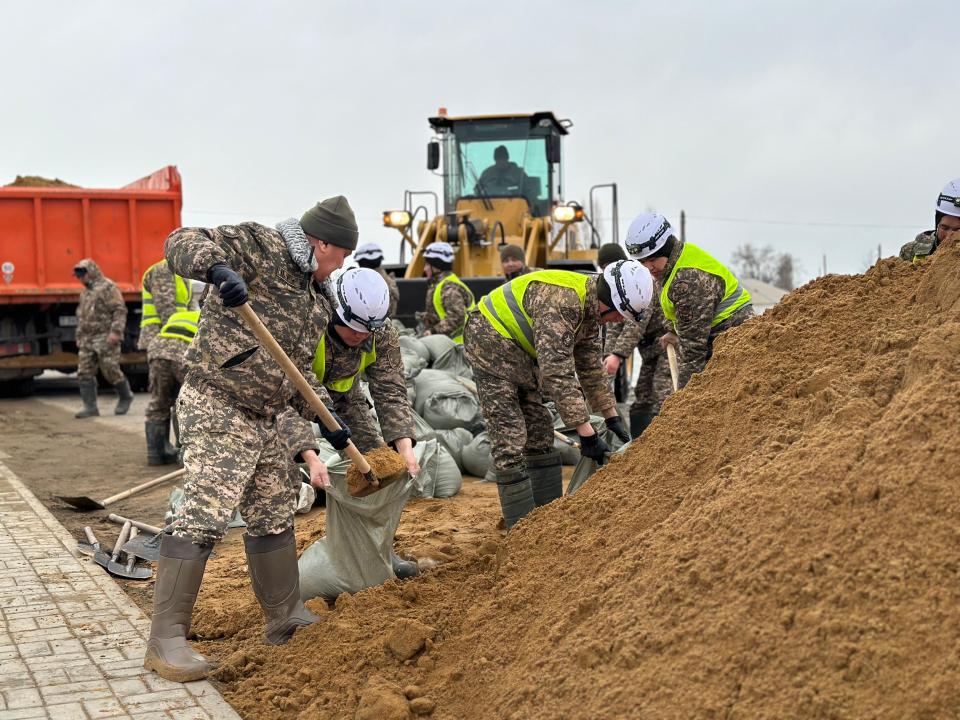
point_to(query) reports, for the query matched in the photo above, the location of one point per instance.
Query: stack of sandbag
(446, 403)
(446, 355)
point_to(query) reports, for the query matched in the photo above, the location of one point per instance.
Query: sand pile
(37, 181)
(782, 543)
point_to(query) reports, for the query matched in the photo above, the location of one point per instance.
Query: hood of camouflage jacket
(94, 274)
(297, 244)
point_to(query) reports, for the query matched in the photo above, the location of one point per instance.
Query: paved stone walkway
(71, 641)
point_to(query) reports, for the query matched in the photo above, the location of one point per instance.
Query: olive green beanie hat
(332, 221)
(513, 252)
(610, 252)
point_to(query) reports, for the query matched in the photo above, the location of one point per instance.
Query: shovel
(674, 367)
(130, 570)
(290, 370)
(142, 546)
(104, 560)
(92, 546)
(85, 504)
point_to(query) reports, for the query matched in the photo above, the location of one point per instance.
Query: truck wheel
(17, 388)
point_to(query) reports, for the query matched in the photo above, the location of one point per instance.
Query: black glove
(615, 425)
(593, 447)
(233, 290)
(338, 438)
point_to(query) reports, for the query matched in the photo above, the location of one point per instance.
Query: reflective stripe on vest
(442, 313)
(503, 306)
(735, 296)
(368, 358)
(182, 325)
(184, 293)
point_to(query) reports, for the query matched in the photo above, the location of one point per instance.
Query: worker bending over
(542, 330)
(448, 297)
(699, 295)
(369, 255)
(946, 222)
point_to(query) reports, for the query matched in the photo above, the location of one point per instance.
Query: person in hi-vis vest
(448, 297)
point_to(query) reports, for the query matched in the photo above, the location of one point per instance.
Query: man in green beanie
(513, 261)
(228, 407)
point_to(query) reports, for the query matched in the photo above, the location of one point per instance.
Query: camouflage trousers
(517, 421)
(99, 353)
(234, 460)
(653, 382)
(166, 376)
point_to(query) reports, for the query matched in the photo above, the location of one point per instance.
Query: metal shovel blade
(82, 503)
(119, 569)
(146, 547)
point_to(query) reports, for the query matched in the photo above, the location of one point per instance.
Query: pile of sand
(37, 181)
(782, 543)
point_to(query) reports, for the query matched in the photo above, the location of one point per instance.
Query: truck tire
(17, 388)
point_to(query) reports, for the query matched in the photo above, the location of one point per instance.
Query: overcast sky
(815, 127)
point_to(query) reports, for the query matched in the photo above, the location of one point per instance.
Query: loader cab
(499, 167)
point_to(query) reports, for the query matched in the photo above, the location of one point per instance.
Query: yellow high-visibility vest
(735, 296)
(182, 325)
(182, 299)
(503, 306)
(340, 385)
(441, 311)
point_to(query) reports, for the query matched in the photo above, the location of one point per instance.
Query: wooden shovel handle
(91, 538)
(565, 440)
(296, 377)
(121, 520)
(143, 486)
(674, 367)
(121, 539)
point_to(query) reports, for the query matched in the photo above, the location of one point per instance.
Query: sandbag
(454, 441)
(412, 363)
(449, 478)
(421, 429)
(454, 361)
(444, 402)
(355, 552)
(476, 456)
(411, 343)
(437, 346)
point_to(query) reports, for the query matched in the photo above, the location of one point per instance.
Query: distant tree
(763, 263)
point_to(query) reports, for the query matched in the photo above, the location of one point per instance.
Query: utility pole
(879, 252)
(824, 263)
(683, 226)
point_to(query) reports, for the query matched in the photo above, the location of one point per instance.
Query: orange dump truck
(44, 232)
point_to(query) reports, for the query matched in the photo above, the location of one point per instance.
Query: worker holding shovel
(541, 333)
(228, 406)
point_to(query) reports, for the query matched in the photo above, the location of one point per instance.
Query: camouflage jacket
(387, 388)
(101, 310)
(696, 294)
(225, 355)
(166, 348)
(920, 247)
(567, 341)
(455, 301)
(158, 281)
(394, 291)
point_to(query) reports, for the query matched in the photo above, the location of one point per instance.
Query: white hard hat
(439, 251)
(368, 251)
(363, 299)
(631, 288)
(648, 233)
(949, 201)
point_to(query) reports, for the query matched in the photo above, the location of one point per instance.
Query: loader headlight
(396, 218)
(568, 213)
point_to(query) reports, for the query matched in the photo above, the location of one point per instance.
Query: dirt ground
(55, 454)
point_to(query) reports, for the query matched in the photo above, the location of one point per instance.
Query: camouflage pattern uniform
(455, 301)
(101, 312)
(696, 294)
(394, 291)
(387, 387)
(233, 390)
(510, 382)
(165, 361)
(919, 248)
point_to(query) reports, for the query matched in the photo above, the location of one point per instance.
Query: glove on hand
(593, 447)
(233, 290)
(338, 438)
(615, 425)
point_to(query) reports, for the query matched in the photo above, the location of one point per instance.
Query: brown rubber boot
(275, 577)
(179, 573)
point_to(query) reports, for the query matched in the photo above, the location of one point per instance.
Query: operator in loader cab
(504, 177)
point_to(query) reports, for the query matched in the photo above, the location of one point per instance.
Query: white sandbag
(491, 476)
(409, 342)
(412, 363)
(454, 441)
(427, 453)
(454, 361)
(421, 429)
(355, 553)
(444, 402)
(476, 456)
(449, 478)
(437, 345)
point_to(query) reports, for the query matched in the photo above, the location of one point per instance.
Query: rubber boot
(125, 397)
(159, 450)
(640, 419)
(546, 477)
(88, 394)
(179, 572)
(516, 495)
(403, 569)
(272, 560)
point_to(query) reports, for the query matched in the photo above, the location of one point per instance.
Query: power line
(796, 223)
